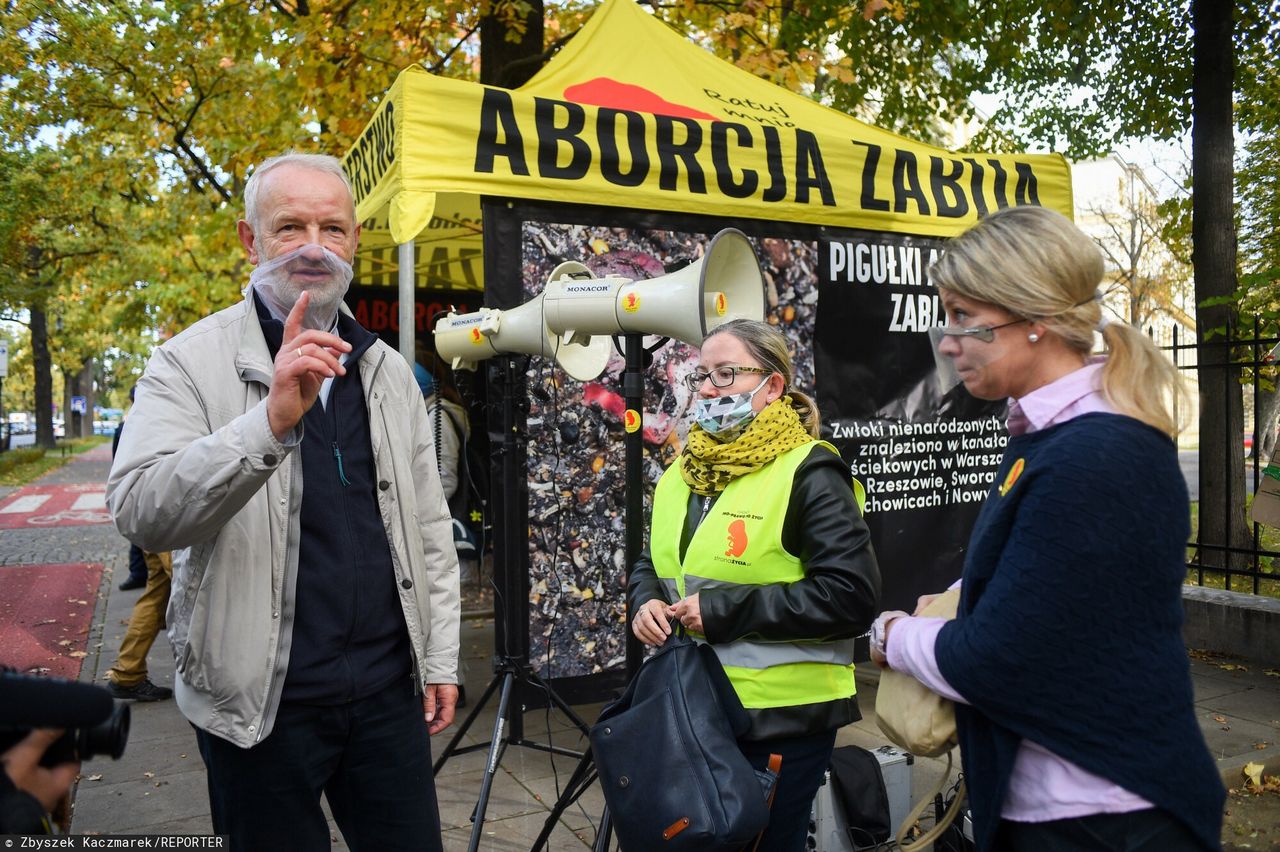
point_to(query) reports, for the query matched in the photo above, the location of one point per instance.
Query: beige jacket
(199, 472)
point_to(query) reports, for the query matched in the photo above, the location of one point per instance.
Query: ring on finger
(298, 352)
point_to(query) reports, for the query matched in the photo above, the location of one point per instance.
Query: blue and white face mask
(724, 415)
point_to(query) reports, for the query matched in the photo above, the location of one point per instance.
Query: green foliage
(21, 457)
(127, 130)
(21, 466)
(1081, 77)
(1258, 173)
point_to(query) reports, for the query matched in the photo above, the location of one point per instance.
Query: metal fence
(1245, 362)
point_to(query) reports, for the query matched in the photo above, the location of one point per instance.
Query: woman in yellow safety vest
(757, 547)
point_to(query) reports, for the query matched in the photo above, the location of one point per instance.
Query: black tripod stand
(513, 677)
(638, 358)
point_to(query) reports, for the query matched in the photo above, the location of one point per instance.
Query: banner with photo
(855, 309)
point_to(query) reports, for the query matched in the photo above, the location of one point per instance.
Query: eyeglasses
(985, 333)
(721, 377)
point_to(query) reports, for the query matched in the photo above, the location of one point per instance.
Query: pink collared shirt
(1042, 786)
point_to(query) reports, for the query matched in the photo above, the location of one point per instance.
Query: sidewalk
(159, 786)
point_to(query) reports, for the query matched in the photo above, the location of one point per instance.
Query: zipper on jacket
(342, 476)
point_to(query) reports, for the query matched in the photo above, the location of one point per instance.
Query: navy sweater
(1070, 625)
(349, 636)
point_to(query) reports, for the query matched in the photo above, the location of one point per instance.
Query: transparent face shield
(965, 354)
(313, 268)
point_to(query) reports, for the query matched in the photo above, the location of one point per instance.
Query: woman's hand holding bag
(921, 721)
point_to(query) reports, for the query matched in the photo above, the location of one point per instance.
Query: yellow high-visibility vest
(739, 542)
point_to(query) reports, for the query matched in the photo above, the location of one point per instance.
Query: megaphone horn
(686, 304)
(465, 340)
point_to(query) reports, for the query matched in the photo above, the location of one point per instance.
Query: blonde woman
(1066, 661)
(757, 547)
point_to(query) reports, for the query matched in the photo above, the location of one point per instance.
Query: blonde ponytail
(807, 409)
(1138, 380)
(1035, 263)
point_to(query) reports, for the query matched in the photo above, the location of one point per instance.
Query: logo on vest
(737, 538)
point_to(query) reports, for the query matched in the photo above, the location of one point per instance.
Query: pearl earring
(1033, 337)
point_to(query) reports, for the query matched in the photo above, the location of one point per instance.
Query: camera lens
(108, 737)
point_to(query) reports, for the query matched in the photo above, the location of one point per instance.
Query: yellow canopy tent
(633, 118)
(449, 248)
(631, 114)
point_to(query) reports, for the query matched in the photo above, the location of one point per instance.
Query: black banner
(927, 455)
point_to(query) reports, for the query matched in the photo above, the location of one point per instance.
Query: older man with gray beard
(283, 453)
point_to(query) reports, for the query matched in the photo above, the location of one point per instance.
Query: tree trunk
(42, 364)
(81, 425)
(1222, 517)
(1264, 423)
(509, 63)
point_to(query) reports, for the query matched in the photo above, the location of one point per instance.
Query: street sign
(4, 359)
(78, 405)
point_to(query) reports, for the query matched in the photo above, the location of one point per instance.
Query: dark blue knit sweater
(1070, 624)
(349, 638)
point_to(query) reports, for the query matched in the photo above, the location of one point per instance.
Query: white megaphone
(466, 339)
(686, 304)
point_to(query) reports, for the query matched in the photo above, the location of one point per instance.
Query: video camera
(95, 723)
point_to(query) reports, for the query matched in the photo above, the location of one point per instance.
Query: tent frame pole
(404, 275)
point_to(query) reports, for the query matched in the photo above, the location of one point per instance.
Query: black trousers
(804, 762)
(1148, 830)
(371, 758)
(137, 564)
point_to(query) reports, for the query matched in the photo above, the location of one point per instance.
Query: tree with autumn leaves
(140, 121)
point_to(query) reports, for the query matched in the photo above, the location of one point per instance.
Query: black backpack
(668, 758)
(859, 781)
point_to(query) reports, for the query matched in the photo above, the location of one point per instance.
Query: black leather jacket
(838, 598)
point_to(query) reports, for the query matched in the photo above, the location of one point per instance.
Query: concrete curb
(1231, 623)
(1232, 769)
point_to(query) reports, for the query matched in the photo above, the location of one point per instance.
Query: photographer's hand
(22, 764)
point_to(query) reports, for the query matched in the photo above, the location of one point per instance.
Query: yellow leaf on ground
(1253, 772)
